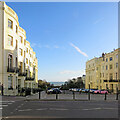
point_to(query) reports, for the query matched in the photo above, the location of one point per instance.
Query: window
(10, 23)
(117, 56)
(24, 42)
(16, 83)
(106, 67)
(103, 74)
(24, 54)
(16, 62)
(24, 68)
(10, 40)
(27, 50)
(107, 76)
(16, 44)
(103, 67)
(116, 75)
(100, 74)
(21, 39)
(97, 68)
(110, 66)
(21, 66)
(20, 51)
(9, 61)
(106, 59)
(9, 82)
(16, 29)
(110, 58)
(26, 60)
(111, 76)
(116, 65)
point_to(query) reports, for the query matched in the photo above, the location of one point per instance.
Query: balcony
(105, 80)
(111, 80)
(29, 78)
(22, 74)
(13, 69)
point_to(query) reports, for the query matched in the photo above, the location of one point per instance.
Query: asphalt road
(17, 107)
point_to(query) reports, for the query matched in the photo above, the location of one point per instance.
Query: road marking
(100, 109)
(42, 109)
(24, 110)
(57, 109)
(7, 101)
(4, 105)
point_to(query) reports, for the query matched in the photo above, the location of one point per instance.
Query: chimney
(103, 56)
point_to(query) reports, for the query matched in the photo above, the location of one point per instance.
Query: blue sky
(66, 35)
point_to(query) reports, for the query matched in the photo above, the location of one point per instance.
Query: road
(18, 107)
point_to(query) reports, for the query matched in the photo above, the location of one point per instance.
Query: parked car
(54, 91)
(97, 91)
(85, 90)
(92, 90)
(80, 90)
(101, 91)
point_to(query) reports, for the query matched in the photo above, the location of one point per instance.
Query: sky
(65, 35)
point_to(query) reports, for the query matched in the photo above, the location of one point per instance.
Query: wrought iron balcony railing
(111, 80)
(29, 78)
(22, 74)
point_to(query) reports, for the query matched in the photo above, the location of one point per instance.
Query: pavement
(26, 107)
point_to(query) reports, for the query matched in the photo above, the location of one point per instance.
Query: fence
(69, 95)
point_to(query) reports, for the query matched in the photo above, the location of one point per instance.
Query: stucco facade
(103, 72)
(18, 64)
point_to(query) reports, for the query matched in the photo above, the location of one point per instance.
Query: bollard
(39, 94)
(73, 95)
(105, 96)
(56, 95)
(2, 90)
(117, 94)
(89, 95)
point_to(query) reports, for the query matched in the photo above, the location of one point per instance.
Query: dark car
(85, 90)
(54, 91)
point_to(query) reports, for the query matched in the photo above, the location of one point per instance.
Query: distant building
(83, 78)
(102, 72)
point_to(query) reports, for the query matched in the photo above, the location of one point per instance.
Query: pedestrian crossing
(4, 104)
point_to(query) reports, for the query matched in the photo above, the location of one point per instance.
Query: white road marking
(100, 109)
(57, 109)
(25, 110)
(6, 101)
(42, 109)
(4, 105)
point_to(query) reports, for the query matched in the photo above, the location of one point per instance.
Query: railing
(12, 69)
(29, 78)
(22, 74)
(111, 80)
